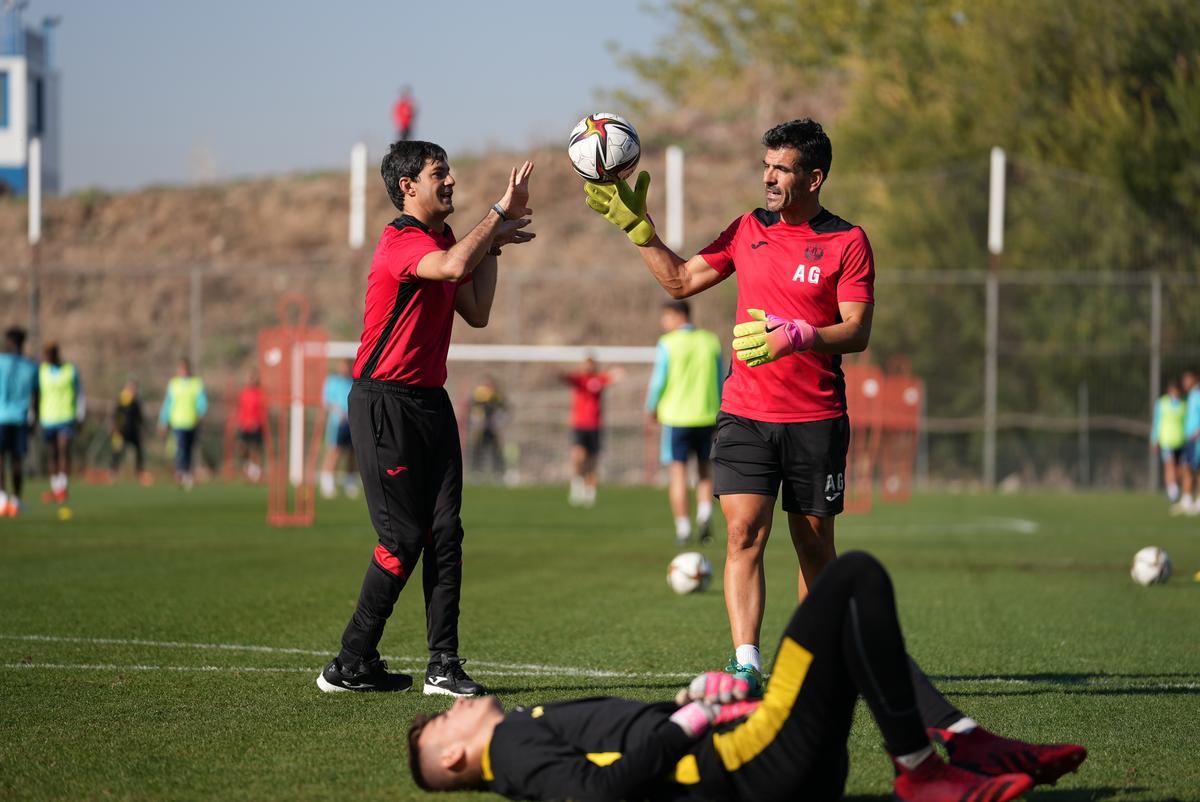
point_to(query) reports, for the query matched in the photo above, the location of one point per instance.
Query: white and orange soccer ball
(604, 147)
(1151, 566)
(689, 572)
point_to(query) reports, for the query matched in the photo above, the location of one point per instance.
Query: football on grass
(690, 572)
(604, 147)
(1151, 566)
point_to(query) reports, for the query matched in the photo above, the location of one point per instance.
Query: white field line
(492, 668)
(1019, 526)
(227, 669)
(1097, 682)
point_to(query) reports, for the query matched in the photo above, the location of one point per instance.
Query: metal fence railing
(1079, 357)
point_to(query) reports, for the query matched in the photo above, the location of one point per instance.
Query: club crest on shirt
(813, 253)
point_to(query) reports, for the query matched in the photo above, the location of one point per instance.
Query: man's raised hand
(510, 233)
(515, 202)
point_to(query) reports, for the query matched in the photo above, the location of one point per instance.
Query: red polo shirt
(407, 319)
(794, 271)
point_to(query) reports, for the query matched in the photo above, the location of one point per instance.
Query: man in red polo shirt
(805, 296)
(402, 424)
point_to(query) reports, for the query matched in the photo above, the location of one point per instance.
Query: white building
(29, 101)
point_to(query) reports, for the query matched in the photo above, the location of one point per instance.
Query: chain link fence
(1079, 356)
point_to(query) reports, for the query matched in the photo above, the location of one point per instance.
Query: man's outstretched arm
(625, 208)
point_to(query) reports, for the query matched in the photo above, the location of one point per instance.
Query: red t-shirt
(407, 320)
(251, 409)
(794, 271)
(585, 398)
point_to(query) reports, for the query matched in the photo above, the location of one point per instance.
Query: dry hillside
(117, 269)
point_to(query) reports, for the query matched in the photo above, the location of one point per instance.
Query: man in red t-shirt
(402, 425)
(403, 114)
(805, 297)
(251, 420)
(587, 385)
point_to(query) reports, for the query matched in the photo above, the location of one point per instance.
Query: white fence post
(674, 238)
(358, 195)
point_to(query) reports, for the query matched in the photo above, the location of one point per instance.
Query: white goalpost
(537, 431)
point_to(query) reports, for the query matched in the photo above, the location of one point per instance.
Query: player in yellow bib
(685, 396)
(182, 409)
(61, 406)
(1168, 435)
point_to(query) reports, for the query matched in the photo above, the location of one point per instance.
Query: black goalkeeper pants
(405, 440)
(843, 642)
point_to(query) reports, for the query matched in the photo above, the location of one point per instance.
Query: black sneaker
(446, 676)
(705, 528)
(366, 676)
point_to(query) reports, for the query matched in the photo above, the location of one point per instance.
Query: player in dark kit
(805, 296)
(402, 424)
(843, 642)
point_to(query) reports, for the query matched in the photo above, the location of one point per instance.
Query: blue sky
(161, 91)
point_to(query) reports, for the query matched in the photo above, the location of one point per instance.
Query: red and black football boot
(936, 781)
(984, 752)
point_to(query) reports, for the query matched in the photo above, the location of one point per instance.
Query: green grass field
(163, 645)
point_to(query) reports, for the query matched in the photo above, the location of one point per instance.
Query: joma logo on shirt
(809, 273)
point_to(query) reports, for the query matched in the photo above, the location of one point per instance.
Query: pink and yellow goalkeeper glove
(711, 699)
(770, 337)
(625, 208)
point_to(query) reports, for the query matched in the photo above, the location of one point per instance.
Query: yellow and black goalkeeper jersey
(591, 750)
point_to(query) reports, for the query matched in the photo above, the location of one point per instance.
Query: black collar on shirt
(405, 220)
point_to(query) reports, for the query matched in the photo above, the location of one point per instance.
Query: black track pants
(405, 440)
(842, 643)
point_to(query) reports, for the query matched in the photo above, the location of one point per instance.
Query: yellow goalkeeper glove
(625, 208)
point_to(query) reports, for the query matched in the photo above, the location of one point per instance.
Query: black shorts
(14, 439)
(587, 439)
(251, 437)
(808, 459)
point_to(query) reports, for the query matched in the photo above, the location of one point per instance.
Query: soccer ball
(604, 147)
(1151, 566)
(690, 572)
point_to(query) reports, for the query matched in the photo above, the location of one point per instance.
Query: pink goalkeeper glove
(710, 699)
(714, 687)
(770, 337)
(695, 718)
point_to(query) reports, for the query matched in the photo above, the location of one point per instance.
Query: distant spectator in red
(404, 113)
(251, 421)
(587, 384)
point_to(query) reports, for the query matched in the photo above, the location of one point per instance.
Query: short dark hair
(414, 749)
(406, 159)
(806, 136)
(680, 306)
(16, 336)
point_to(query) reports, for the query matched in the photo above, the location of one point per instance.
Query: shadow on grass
(592, 689)
(1093, 684)
(1044, 794)
(1086, 794)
